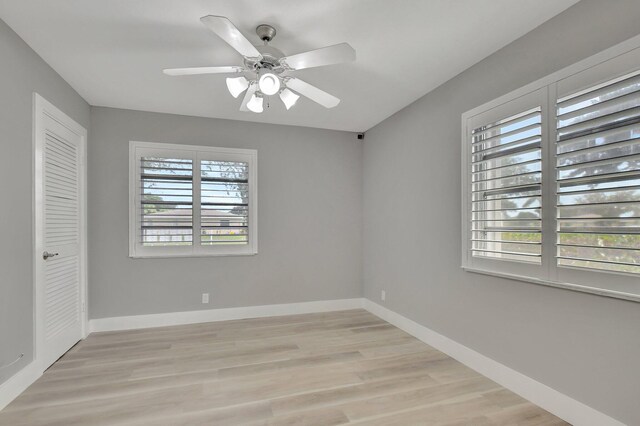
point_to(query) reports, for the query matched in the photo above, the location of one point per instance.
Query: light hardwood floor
(335, 368)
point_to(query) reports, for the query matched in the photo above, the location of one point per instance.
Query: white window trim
(580, 279)
(196, 152)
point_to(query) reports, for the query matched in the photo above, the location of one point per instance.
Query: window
(192, 200)
(551, 180)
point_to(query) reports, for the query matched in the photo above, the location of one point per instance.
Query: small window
(192, 200)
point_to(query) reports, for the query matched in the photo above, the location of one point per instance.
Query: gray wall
(309, 222)
(22, 72)
(585, 346)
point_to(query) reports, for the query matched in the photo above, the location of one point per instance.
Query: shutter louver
(506, 188)
(224, 190)
(166, 201)
(598, 177)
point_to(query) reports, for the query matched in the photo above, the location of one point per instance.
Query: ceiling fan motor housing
(270, 55)
(270, 59)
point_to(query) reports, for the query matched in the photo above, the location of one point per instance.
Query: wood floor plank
(319, 417)
(429, 395)
(331, 368)
(469, 411)
(344, 394)
(252, 413)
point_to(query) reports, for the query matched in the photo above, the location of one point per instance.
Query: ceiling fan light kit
(269, 67)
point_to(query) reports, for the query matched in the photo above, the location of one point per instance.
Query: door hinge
(83, 307)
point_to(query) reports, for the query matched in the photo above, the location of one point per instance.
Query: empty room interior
(333, 212)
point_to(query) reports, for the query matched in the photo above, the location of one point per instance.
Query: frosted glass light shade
(255, 104)
(237, 85)
(288, 98)
(269, 83)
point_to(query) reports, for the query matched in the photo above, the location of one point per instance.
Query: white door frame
(42, 108)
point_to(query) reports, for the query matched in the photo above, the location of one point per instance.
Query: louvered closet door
(60, 299)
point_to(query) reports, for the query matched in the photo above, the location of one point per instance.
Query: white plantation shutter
(224, 193)
(506, 185)
(166, 201)
(191, 200)
(598, 177)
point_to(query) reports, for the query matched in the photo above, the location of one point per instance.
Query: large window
(192, 200)
(551, 182)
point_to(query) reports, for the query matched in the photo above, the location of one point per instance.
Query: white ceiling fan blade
(312, 92)
(253, 87)
(203, 70)
(329, 55)
(229, 33)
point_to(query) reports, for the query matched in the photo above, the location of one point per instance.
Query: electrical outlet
(205, 297)
(383, 295)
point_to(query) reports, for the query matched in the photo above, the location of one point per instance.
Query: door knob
(47, 255)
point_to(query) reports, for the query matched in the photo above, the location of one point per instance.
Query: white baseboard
(209, 315)
(557, 403)
(18, 383)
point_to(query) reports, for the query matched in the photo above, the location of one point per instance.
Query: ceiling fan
(269, 67)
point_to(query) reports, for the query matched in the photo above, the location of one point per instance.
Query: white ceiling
(112, 51)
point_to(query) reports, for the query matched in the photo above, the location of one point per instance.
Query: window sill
(188, 255)
(566, 286)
